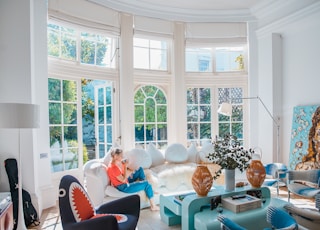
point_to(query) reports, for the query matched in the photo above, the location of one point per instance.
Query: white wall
(23, 78)
(300, 35)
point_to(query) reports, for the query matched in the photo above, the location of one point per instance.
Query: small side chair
(276, 174)
(305, 183)
(78, 213)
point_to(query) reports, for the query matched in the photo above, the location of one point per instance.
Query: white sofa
(167, 172)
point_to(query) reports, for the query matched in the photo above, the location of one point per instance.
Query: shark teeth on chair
(81, 205)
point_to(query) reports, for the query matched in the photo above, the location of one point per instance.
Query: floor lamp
(19, 116)
(226, 109)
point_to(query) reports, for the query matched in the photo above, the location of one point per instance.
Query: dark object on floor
(30, 213)
(78, 213)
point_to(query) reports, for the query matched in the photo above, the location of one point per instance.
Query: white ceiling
(186, 10)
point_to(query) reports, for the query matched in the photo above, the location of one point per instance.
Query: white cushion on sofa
(192, 153)
(139, 158)
(204, 152)
(156, 155)
(176, 153)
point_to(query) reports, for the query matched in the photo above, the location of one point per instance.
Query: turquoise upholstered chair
(276, 174)
(227, 224)
(279, 219)
(304, 183)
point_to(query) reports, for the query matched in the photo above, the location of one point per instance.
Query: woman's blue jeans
(136, 186)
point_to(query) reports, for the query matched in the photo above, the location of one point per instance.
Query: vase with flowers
(229, 154)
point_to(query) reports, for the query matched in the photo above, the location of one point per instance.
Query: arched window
(150, 117)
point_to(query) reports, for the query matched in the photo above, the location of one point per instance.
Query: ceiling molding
(298, 15)
(178, 14)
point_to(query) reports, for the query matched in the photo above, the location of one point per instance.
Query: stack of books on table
(241, 203)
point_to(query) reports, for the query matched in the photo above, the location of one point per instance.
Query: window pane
(237, 129)
(235, 122)
(139, 42)
(109, 134)
(205, 96)
(162, 132)
(139, 111)
(158, 59)
(139, 97)
(162, 113)
(54, 113)
(224, 129)
(157, 44)
(141, 58)
(192, 112)
(139, 133)
(101, 133)
(198, 60)
(54, 86)
(87, 52)
(55, 136)
(150, 116)
(71, 136)
(109, 115)
(193, 131)
(150, 54)
(56, 160)
(70, 114)
(101, 115)
(205, 113)
(68, 44)
(53, 40)
(96, 49)
(151, 132)
(198, 114)
(229, 59)
(150, 110)
(205, 131)
(69, 90)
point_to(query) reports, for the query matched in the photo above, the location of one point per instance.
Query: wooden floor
(50, 219)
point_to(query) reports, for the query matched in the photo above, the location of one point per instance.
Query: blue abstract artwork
(305, 138)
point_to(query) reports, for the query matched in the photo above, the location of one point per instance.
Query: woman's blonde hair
(115, 151)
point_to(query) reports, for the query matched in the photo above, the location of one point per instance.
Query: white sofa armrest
(96, 180)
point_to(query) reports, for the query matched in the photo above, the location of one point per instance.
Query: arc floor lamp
(19, 116)
(226, 109)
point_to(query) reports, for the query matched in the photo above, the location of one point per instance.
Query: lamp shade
(225, 109)
(19, 116)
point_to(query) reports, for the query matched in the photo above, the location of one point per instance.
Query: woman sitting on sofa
(135, 182)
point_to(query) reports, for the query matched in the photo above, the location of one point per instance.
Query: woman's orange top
(113, 172)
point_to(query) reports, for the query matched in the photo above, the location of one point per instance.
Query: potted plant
(229, 154)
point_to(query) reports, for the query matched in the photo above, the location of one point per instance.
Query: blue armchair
(276, 175)
(277, 218)
(280, 219)
(227, 224)
(304, 183)
(78, 213)
(306, 217)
